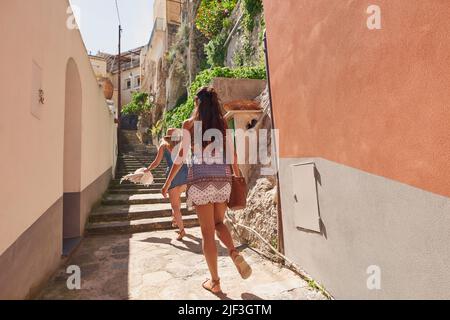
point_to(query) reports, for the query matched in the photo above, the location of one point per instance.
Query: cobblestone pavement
(155, 266)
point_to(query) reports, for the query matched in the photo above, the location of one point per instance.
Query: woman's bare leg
(207, 224)
(222, 231)
(225, 236)
(175, 202)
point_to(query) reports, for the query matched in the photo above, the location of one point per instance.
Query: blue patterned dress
(181, 177)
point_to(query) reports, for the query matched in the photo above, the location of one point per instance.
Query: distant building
(167, 19)
(130, 71)
(106, 65)
(100, 66)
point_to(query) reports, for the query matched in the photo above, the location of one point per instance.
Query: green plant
(212, 15)
(175, 117)
(177, 53)
(252, 8)
(274, 242)
(246, 55)
(140, 104)
(215, 51)
(157, 128)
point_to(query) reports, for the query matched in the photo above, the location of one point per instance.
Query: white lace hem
(212, 194)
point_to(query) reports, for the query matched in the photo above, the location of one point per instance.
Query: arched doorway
(72, 158)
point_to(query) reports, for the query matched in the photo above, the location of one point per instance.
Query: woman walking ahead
(209, 184)
(178, 183)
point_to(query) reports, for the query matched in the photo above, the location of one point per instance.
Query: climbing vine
(245, 56)
(252, 9)
(175, 117)
(214, 21)
(250, 52)
(216, 51)
(212, 14)
(140, 104)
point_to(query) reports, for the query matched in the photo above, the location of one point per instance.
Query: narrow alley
(154, 266)
(131, 253)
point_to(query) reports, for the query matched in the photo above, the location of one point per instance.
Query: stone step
(125, 199)
(147, 157)
(133, 212)
(135, 186)
(123, 172)
(140, 154)
(144, 156)
(117, 181)
(134, 168)
(119, 175)
(134, 191)
(137, 226)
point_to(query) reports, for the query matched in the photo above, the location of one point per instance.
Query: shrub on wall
(252, 8)
(215, 50)
(211, 16)
(175, 117)
(140, 104)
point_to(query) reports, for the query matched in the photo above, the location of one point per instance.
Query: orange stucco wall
(376, 100)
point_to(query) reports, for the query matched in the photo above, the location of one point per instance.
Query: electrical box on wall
(37, 93)
(306, 205)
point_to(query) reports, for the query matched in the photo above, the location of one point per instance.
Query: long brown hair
(209, 111)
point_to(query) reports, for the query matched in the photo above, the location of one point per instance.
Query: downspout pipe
(280, 217)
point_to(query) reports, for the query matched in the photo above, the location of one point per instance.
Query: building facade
(59, 161)
(106, 65)
(361, 101)
(167, 19)
(100, 66)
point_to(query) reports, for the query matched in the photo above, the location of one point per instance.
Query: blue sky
(98, 23)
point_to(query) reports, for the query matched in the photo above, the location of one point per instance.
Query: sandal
(242, 266)
(212, 286)
(181, 235)
(174, 223)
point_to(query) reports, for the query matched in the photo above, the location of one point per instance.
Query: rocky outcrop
(244, 47)
(185, 55)
(143, 128)
(261, 213)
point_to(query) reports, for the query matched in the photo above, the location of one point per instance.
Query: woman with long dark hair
(209, 180)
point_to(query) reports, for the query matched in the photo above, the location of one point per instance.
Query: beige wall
(99, 66)
(33, 149)
(159, 10)
(156, 48)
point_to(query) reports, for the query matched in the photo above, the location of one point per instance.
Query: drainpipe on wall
(280, 218)
(119, 93)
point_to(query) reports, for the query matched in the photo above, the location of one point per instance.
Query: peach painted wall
(32, 149)
(375, 100)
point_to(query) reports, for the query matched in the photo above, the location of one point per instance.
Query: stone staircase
(130, 208)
